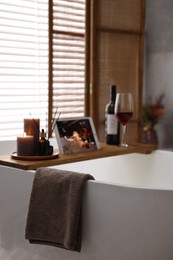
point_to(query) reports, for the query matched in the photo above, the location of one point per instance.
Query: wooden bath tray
(104, 151)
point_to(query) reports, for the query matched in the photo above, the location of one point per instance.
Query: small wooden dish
(34, 158)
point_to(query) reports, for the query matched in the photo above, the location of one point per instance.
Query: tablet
(75, 135)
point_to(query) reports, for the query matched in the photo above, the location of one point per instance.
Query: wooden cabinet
(116, 57)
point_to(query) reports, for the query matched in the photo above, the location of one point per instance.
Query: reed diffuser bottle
(43, 145)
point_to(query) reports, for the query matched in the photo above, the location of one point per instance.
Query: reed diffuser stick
(36, 125)
(51, 124)
(54, 122)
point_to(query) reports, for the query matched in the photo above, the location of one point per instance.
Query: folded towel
(54, 214)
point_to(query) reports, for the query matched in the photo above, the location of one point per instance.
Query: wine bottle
(112, 126)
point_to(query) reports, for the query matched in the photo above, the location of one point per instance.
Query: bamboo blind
(117, 55)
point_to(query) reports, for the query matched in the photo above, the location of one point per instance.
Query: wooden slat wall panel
(120, 14)
(117, 65)
(117, 54)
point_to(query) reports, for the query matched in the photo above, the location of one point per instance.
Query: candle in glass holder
(25, 145)
(32, 127)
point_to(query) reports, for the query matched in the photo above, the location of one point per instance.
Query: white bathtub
(127, 210)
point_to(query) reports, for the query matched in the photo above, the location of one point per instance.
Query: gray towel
(54, 214)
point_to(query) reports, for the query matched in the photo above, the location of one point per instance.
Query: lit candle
(32, 127)
(25, 145)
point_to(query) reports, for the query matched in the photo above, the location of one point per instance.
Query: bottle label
(112, 124)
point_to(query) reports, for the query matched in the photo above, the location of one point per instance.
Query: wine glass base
(124, 145)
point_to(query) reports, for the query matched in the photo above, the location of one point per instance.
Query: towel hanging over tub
(54, 214)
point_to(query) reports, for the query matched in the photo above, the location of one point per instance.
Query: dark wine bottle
(112, 126)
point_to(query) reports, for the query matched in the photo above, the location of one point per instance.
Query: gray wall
(159, 63)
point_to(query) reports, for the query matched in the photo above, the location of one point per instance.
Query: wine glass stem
(123, 135)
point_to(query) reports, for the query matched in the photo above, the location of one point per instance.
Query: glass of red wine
(124, 111)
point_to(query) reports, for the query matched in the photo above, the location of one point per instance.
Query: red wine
(124, 117)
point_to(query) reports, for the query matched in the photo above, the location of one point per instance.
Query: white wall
(159, 62)
(7, 147)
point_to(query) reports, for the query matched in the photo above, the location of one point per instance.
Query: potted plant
(152, 113)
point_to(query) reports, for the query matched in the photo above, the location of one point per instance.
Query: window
(42, 62)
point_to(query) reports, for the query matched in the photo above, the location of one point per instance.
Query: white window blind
(69, 57)
(24, 61)
(23, 64)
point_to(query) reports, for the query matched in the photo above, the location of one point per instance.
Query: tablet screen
(76, 135)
